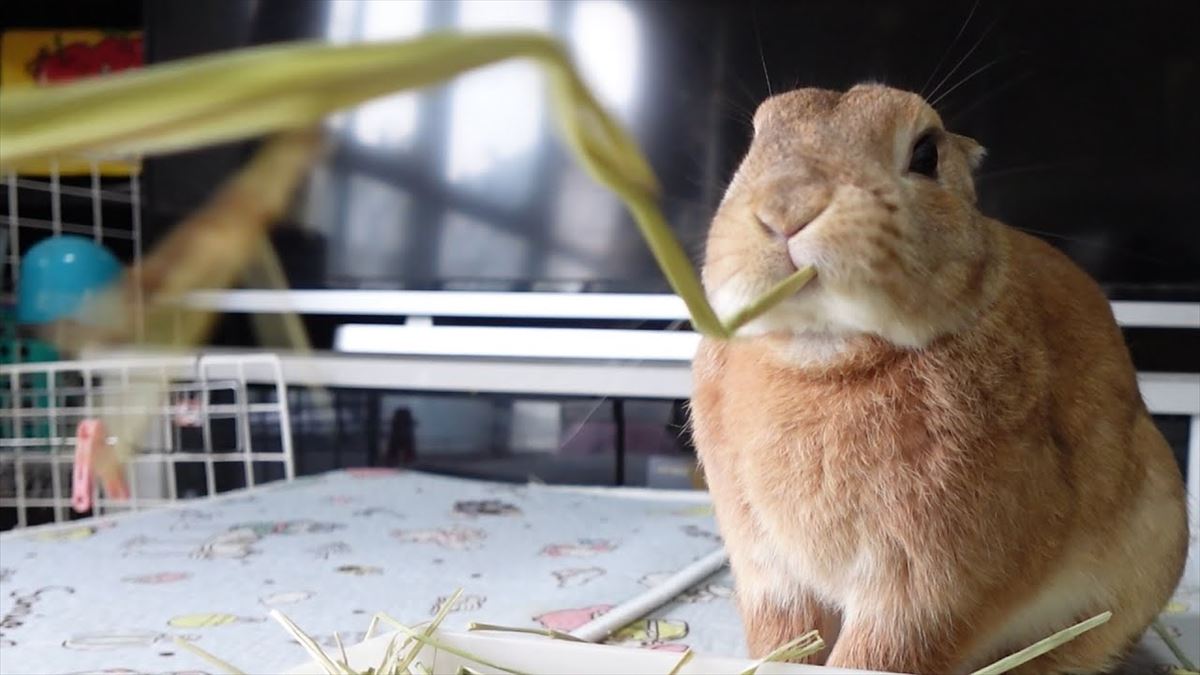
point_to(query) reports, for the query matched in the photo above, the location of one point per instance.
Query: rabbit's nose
(787, 209)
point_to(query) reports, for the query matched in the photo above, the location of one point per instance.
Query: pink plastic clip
(87, 435)
(93, 457)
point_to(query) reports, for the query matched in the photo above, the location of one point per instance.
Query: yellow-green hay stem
(262, 90)
(687, 656)
(229, 668)
(1172, 644)
(388, 653)
(337, 638)
(442, 612)
(1042, 646)
(438, 644)
(310, 645)
(806, 645)
(545, 632)
(783, 290)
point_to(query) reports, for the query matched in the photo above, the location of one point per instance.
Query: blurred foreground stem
(290, 87)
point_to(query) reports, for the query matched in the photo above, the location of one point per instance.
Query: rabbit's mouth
(800, 254)
(800, 312)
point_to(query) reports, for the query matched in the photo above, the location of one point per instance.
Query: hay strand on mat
(345, 661)
(217, 661)
(438, 618)
(806, 645)
(310, 645)
(544, 632)
(438, 644)
(1042, 646)
(1165, 634)
(687, 656)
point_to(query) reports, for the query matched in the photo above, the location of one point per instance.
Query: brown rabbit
(936, 452)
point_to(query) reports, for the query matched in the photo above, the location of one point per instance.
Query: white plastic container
(540, 655)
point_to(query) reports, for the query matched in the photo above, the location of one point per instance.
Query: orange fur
(939, 445)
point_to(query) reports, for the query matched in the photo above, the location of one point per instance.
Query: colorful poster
(36, 58)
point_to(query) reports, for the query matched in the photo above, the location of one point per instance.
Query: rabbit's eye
(924, 156)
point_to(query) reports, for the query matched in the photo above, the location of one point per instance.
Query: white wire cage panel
(106, 209)
(197, 426)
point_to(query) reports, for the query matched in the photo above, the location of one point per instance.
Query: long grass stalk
(217, 661)
(265, 90)
(806, 645)
(1042, 646)
(1165, 634)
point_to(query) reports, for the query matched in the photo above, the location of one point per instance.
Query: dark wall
(1088, 112)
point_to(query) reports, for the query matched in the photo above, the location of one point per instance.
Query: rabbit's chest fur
(845, 483)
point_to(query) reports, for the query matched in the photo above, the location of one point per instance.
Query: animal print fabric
(109, 595)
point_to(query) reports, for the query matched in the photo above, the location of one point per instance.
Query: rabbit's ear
(971, 148)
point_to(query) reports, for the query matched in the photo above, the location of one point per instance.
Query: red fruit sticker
(73, 60)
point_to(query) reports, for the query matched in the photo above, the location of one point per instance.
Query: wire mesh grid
(108, 209)
(206, 425)
(201, 426)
